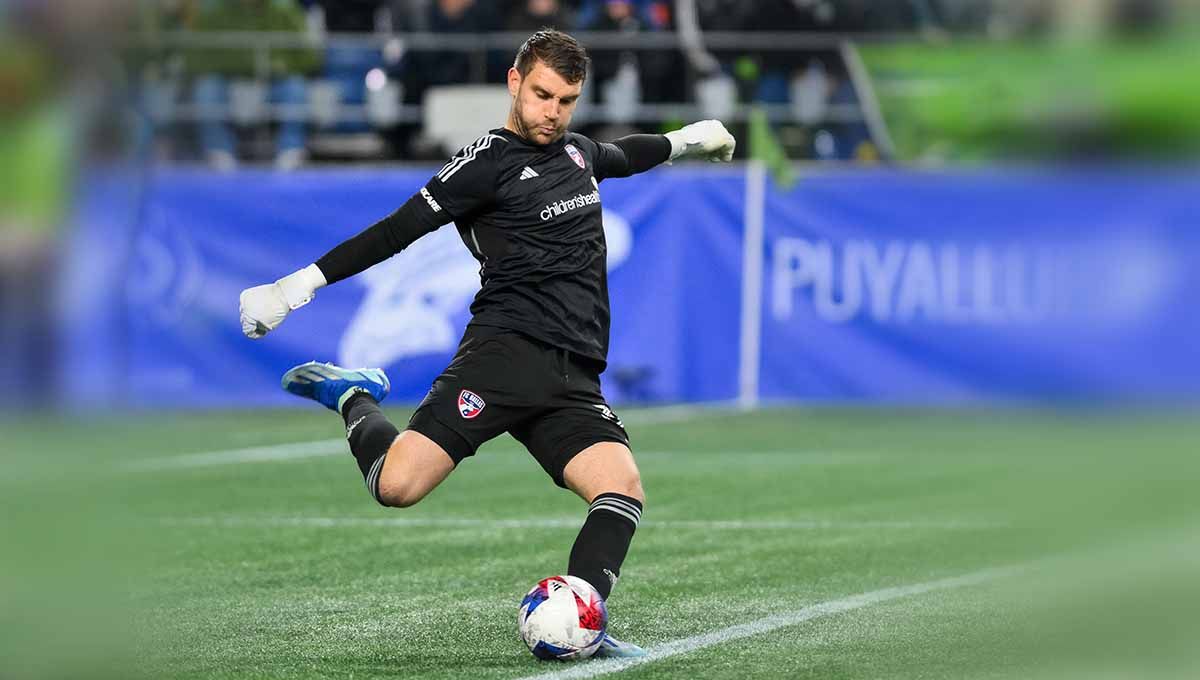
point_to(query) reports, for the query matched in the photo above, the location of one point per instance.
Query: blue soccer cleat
(332, 386)
(612, 648)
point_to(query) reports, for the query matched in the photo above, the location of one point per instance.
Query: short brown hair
(557, 50)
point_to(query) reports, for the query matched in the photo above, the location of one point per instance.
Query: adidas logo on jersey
(528, 173)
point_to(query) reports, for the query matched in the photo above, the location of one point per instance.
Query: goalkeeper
(525, 200)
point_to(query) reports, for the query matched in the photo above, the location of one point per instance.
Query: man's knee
(399, 493)
(414, 466)
(607, 467)
(628, 483)
(636, 490)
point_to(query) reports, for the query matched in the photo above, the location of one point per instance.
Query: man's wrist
(300, 286)
(707, 139)
(678, 145)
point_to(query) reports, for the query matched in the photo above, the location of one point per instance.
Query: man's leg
(585, 450)
(399, 468)
(605, 476)
(584, 447)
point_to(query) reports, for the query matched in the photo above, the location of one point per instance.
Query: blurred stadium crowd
(357, 73)
(415, 79)
(292, 81)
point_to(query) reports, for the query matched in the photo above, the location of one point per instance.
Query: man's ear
(514, 81)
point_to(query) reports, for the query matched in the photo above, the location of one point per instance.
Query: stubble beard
(524, 127)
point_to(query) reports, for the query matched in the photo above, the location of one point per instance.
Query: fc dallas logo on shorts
(576, 156)
(470, 404)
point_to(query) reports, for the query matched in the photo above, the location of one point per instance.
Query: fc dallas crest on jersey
(470, 404)
(576, 156)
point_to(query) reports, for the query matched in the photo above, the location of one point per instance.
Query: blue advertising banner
(674, 272)
(892, 286)
(941, 287)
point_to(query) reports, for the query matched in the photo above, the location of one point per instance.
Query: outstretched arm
(417, 217)
(263, 308)
(630, 155)
(464, 185)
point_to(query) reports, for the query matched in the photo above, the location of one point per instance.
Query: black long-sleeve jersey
(531, 216)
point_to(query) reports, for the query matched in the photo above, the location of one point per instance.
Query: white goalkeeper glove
(707, 139)
(265, 307)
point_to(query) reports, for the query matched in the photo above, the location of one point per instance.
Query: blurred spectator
(650, 14)
(349, 16)
(347, 63)
(650, 75)
(720, 15)
(281, 70)
(156, 70)
(613, 15)
(963, 16)
(426, 69)
(537, 14)
(786, 15)
(856, 16)
(777, 68)
(715, 15)
(36, 155)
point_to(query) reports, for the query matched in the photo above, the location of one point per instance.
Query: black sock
(604, 539)
(370, 434)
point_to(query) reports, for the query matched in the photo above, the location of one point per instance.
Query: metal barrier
(394, 46)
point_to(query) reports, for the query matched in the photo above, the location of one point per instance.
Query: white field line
(772, 623)
(330, 447)
(336, 447)
(574, 523)
(253, 454)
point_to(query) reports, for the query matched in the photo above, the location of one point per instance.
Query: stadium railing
(392, 46)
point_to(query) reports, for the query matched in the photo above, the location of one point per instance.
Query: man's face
(618, 10)
(454, 8)
(543, 103)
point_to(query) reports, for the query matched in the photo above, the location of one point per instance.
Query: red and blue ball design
(562, 617)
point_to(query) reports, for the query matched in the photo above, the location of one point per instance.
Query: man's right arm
(263, 308)
(464, 185)
(420, 215)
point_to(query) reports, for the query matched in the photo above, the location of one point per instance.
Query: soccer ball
(562, 617)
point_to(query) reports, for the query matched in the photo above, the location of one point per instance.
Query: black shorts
(503, 381)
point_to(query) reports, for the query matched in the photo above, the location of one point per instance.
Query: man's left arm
(707, 140)
(631, 155)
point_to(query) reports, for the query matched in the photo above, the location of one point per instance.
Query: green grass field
(221, 545)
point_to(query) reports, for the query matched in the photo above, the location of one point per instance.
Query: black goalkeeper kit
(530, 360)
